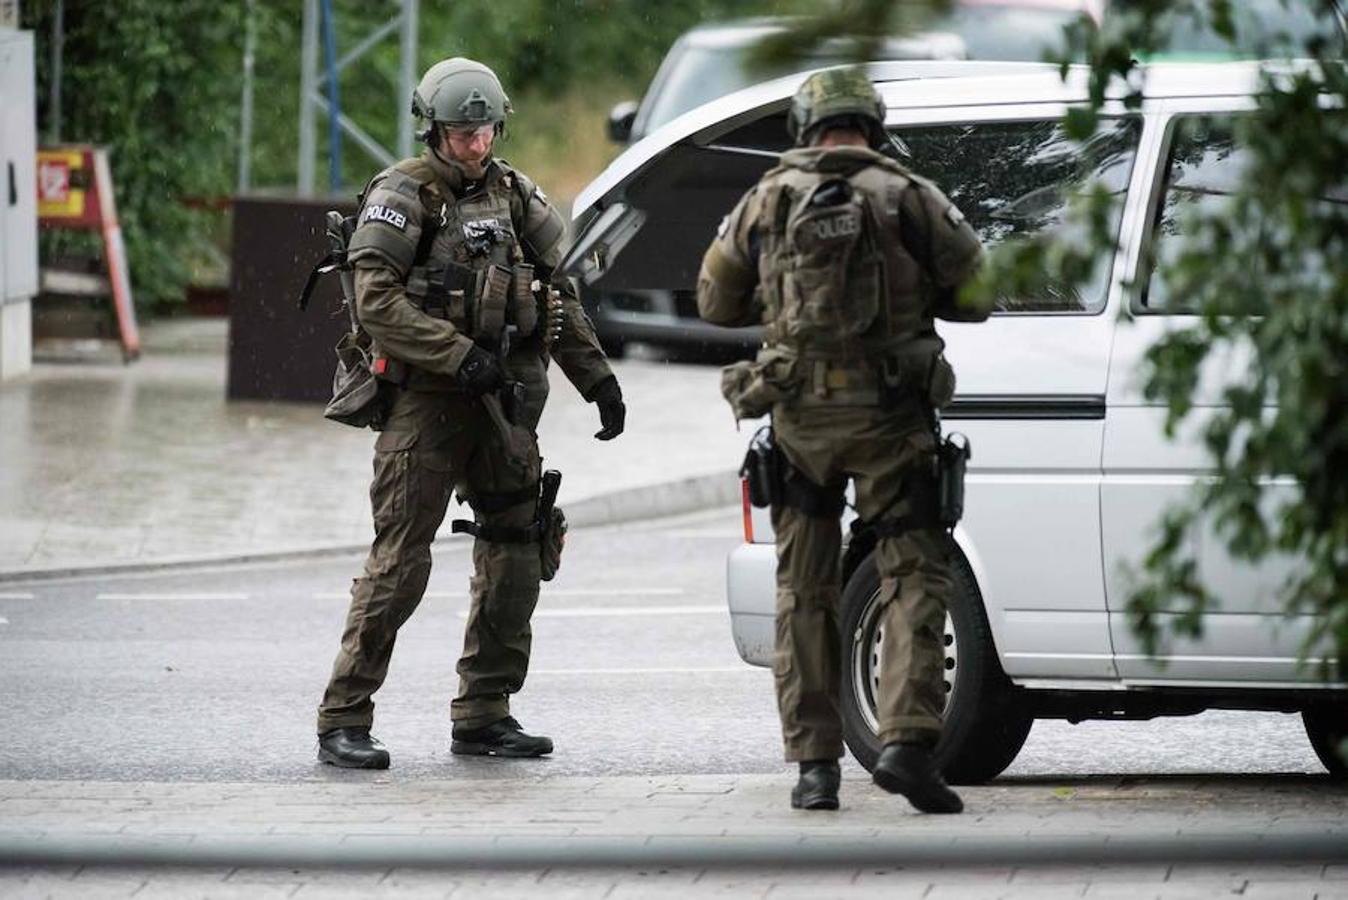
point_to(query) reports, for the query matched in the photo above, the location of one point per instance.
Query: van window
(1014, 180)
(1204, 167)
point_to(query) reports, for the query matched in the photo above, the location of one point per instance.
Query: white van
(1070, 471)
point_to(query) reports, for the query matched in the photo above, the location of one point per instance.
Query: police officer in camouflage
(455, 255)
(846, 258)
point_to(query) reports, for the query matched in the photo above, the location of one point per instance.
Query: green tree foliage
(156, 84)
(160, 85)
(1264, 271)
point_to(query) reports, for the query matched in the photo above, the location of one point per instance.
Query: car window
(1005, 33)
(1014, 180)
(1263, 28)
(693, 75)
(696, 76)
(1205, 166)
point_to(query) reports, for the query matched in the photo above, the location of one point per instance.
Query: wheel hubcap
(868, 660)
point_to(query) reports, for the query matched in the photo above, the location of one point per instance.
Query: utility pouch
(491, 306)
(952, 458)
(523, 304)
(762, 468)
(356, 397)
(551, 543)
(752, 388)
(940, 383)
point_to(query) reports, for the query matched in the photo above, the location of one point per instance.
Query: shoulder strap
(416, 171)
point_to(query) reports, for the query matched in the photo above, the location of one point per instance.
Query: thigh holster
(814, 500)
(922, 491)
(548, 528)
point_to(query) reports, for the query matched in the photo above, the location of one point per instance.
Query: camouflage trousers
(879, 450)
(432, 445)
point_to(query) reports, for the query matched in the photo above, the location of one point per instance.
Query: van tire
(1327, 727)
(986, 723)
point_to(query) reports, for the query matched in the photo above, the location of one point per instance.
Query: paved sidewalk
(363, 814)
(107, 464)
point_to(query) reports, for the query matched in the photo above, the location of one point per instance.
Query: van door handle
(13, 186)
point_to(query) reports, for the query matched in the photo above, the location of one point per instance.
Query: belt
(836, 383)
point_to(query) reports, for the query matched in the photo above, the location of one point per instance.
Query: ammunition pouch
(489, 312)
(481, 304)
(524, 306)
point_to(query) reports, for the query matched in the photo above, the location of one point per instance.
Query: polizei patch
(843, 224)
(384, 214)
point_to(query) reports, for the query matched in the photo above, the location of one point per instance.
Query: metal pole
(334, 99)
(308, 75)
(246, 104)
(409, 77)
(58, 39)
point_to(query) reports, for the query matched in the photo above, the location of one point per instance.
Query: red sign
(74, 190)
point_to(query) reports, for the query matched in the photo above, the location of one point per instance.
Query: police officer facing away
(454, 255)
(846, 257)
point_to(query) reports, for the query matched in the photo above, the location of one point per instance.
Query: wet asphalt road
(214, 674)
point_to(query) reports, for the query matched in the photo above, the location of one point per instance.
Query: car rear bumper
(751, 578)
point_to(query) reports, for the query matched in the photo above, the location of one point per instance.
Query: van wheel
(1327, 727)
(985, 725)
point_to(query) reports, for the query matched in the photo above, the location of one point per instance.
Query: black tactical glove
(480, 373)
(612, 412)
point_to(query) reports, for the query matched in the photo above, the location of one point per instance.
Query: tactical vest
(837, 280)
(469, 264)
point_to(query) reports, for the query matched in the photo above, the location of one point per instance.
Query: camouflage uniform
(846, 257)
(419, 218)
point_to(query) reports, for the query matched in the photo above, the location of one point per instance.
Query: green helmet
(459, 91)
(833, 93)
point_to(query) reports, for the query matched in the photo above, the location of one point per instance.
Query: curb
(683, 495)
(722, 852)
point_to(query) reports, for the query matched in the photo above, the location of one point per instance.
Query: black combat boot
(502, 738)
(351, 748)
(818, 785)
(908, 769)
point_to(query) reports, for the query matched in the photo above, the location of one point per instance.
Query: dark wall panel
(277, 352)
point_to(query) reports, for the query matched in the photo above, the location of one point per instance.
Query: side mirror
(620, 120)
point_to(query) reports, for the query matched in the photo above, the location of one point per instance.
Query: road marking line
(184, 597)
(622, 611)
(18, 596)
(585, 612)
(614, 592)
(690, 534)
(690, 670)
(545, 595)
(429, 595)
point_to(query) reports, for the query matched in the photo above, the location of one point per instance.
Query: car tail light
(748, 511)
